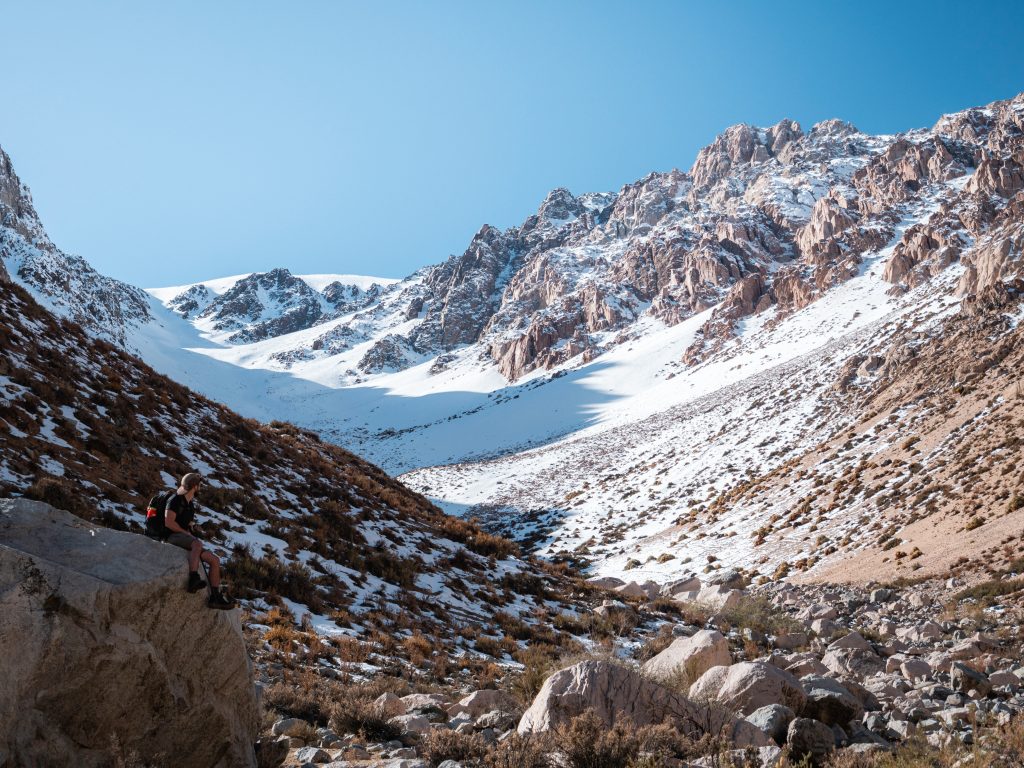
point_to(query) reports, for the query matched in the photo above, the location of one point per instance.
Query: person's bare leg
(193, 555)
(211, 560)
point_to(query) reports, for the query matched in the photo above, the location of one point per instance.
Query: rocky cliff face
(63, 281)
(765, 219)
(144, 667)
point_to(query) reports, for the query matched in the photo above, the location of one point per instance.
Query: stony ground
(762, 675)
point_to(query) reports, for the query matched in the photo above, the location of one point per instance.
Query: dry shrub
(308, 698)
(538, 663)
(417, 648)
(440, 744)
(358, 714)
(656, 644)
(586, 742)
(517, 751)
(758, 613)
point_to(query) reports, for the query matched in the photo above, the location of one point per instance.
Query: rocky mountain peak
(559, 207)
(60, 280)
(264, 305)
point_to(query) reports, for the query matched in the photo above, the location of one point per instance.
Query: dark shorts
(182, 540)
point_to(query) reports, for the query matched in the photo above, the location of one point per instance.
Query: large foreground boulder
(614, 692)
(688, 658)
(106, 655)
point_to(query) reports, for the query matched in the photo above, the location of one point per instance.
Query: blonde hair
(191, 480)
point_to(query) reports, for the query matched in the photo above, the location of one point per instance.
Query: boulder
(966, 679)
(605, 582)
(809, 738)
(915, 669)
(617, 612)
(774, 720)
(689, 657)
(101, 641)
(481, 702)
(999, 679)
(389, 705)
(688, 584)
(790, 641)
(853, 641)
(612, 692)
(718, 598)
(748, 686)
(728, 579)
(829, 702)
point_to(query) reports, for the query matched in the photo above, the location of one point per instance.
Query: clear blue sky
(169, 142)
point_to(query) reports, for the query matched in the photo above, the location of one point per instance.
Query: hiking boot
(220, 601)
(195, 582)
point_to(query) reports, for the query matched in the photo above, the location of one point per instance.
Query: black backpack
(155, 514)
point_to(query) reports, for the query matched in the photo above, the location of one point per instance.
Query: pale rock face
(749, 685)
(141, 659)
(613, 692)
(481, 702)
(689, 657)
(718, 598)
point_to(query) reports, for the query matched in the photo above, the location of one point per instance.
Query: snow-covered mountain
(611, 376)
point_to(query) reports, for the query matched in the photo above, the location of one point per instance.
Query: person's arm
(170, 521)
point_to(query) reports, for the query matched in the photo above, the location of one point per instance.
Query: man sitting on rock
(179, 512)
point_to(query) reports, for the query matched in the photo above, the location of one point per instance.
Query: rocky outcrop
(391, 353)
(106, 654)
(922, 252)
(614, 692)
(190, 302)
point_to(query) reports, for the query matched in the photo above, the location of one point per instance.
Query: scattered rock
(809, 738)
(773, 719)
(830, 702)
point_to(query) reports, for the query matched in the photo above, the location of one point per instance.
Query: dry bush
(586, 742)
(538, 663)
(307, 697)
(440, 744)
(517, 751)
(355, 713)
(759, 614)
(656, 644)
